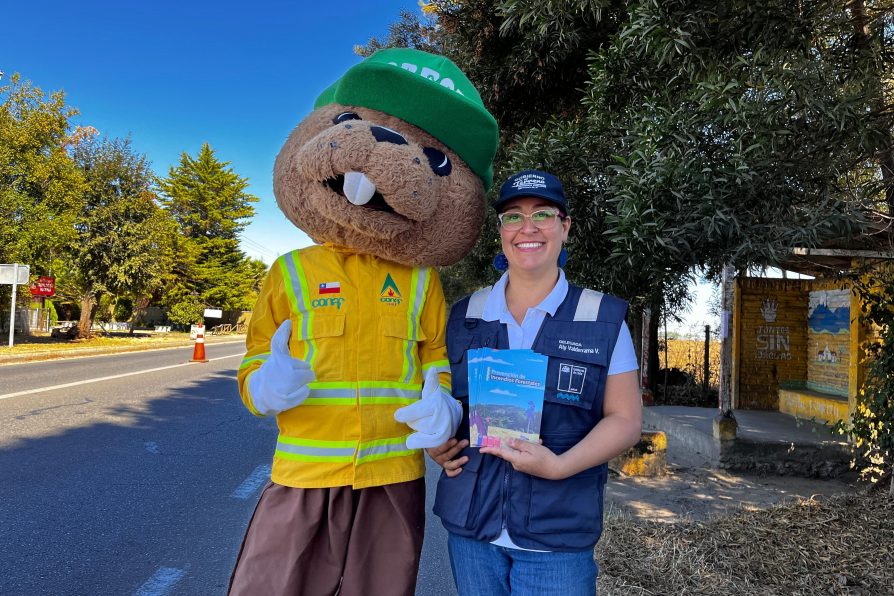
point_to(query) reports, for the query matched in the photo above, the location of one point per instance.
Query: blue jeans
(483, 569)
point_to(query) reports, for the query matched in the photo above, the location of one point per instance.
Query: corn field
(684, 360)
(688, 355)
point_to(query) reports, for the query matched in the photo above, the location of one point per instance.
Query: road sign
(14, 275)
(8, 273)
(44, 286)
(213, 313)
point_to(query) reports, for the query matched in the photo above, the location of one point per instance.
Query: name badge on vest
(576, 348)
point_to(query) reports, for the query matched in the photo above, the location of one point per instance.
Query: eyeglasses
(542, 219)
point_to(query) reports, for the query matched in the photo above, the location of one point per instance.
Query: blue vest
(540, 514)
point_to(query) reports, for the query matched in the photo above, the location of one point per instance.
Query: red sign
(44, 286)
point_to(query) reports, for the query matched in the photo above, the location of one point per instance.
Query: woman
(524, 518)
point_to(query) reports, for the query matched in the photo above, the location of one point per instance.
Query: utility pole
(12, 306)
(706, 375)
(725, 424)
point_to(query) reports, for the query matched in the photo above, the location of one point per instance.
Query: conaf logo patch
(390, 294)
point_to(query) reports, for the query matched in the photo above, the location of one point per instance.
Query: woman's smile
(529, 245)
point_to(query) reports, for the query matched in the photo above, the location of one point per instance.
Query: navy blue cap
(532, 183)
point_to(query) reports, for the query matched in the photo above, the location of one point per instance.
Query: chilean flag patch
(332, 287)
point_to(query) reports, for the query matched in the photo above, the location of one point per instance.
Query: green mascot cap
(428, 91)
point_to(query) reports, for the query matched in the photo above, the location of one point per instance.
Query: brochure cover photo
(506, 390)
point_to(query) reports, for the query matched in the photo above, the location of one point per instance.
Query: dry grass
(840, 545)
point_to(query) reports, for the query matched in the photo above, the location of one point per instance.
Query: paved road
(137, 484)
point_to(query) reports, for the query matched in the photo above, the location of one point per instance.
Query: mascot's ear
(409, 84)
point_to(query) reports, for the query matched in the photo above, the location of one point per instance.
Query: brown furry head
(362, 179)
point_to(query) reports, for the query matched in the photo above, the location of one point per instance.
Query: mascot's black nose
(386, 135)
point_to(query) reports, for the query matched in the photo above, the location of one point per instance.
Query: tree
(409, 31)
(736, 134)
(712, 133)
(873, 34)
(186, 313)
(691, 134)
(210, 205)
(528, 66)
(744, 131)
(527, 59)
(872, 423)
(40, 185)
(124, 237)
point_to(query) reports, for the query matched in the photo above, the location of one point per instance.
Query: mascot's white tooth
(358, 188)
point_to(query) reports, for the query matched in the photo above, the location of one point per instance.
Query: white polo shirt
(521, 337)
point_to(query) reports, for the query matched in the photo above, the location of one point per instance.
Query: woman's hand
(530, 458)
(444, 454)
(619, 429)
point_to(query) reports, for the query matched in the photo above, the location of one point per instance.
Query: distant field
(689, 355)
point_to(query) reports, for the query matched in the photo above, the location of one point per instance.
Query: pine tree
(209, 202)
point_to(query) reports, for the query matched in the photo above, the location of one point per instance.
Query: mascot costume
(346, 345)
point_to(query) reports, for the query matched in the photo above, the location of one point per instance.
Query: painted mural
(829, 311)
(828, 330)
(829, 316)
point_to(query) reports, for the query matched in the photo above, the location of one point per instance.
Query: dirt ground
(691, 490)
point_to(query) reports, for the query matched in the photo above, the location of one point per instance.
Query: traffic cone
(198, 352)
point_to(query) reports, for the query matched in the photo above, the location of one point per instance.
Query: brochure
(506, 390)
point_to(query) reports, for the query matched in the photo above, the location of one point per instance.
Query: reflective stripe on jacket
(539, 514)
(369, 329)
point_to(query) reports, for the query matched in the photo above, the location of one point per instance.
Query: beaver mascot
(346, 345)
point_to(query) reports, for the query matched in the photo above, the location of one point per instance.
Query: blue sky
(173, 75)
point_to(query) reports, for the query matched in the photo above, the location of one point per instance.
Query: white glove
(435, 417)
(282, 381)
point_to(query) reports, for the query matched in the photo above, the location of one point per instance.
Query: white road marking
(161, 582)
(109, 378)
(251, 484)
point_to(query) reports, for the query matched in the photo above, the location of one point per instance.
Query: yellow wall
(771, 343)
(806, 404)
(775, 345)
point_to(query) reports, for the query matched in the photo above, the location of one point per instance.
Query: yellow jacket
(369, 329)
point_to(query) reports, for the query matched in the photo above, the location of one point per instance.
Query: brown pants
(310, 541)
